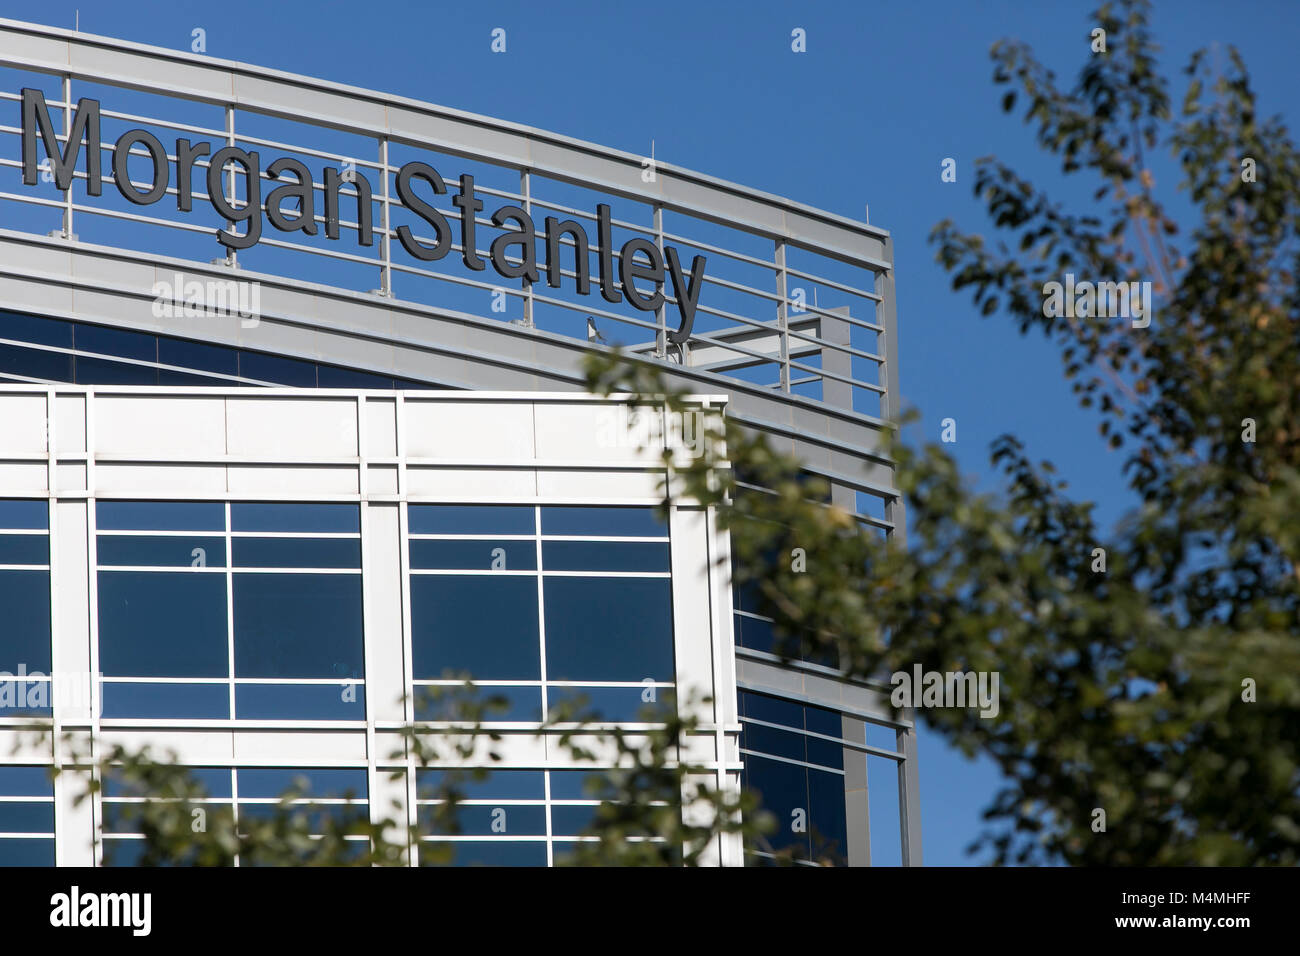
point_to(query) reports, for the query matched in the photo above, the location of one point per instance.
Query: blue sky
(883, 94)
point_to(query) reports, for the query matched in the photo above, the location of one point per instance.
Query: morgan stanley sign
(638, 259)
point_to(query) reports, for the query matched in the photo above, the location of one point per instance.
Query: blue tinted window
(617, 629)
(24, 549)
(280, 517)
(273, 368)
(160, 515)
(768, 740)
(25, 598)
(177, 701)
(93, 371)
(479, 554)
(194, 355)
(27, 817)
(214, 780)
(525, 820)
(300, 702)
(605, 556)
(755, 634)
(517, 703)
(160, 551)
(612, 703)
(22, 514)
(497, 785)
(162, 624)
(480, 624)
(577, 784)
(329, 376)
(119, 342)
(827, 825)
(573, 820)
(169, 377)
(26, 782)
(30, 328)
(471, 519)
(489, 853)
(297, 552)
(26, 852)
(298, 625)
(603, 522)
(781, 788)
(337, 782)
(36, 363)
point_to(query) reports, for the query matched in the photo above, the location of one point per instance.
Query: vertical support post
(525, 190)
(909, 781)
(385, 245)
(231, 258)
(661, 336)
(857, 808)
(782, 314)
(67, 139)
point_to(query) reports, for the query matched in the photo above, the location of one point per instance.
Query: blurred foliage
(1128, 689)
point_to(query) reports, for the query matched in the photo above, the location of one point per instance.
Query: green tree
(1164, 690)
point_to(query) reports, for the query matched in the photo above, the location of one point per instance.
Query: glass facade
(794, 764)
(37, 349)
(246, 610)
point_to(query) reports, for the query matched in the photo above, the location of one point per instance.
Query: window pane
(298, 625)
(267, 782)
(25, 598)
(25, 782)
(26, 817)
(480, 554)
(489, 853)
(93, 371)
(605, 556)
(782, 788)
(618, 629)
(24, 549)
(193, 355)
(613, 703)
(160, 515)
(273, 368)
(481, 624)
(297, 552)
(165, 551)
(26, 852)
(119, 342)
(177, 701)
(300, 702)
(603, 522)
(506, 820)
(497, 785)
(755, 634)
(521, 703)
(279, 517)
(31, 328)
(573, 820)
(36, 363)
(471, 519)
(214, 780)
(577, 784)
(162, 624)
(22, 514)
(827, 825)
